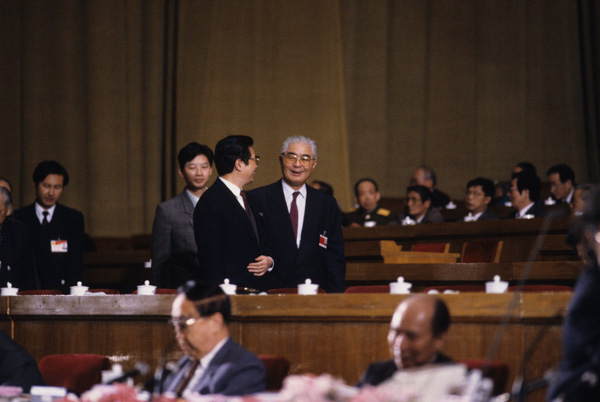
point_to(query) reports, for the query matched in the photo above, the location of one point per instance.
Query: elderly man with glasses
(302, 225)
(214, 363)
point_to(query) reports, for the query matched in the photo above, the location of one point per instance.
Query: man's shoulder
(25, 211)
(267, 189)
(234, 352)
(378, 372)
(175, 202)
(68, 211)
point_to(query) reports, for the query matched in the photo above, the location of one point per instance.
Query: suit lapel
(188, 207)
(209, 373)
(310, 222)
(236, 209)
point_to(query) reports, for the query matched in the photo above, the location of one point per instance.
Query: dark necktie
(45, 220)
(246, 206)
(294, 214)
(186, 380)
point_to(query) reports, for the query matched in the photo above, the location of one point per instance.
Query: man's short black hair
(528, 181)
(441, 318)
(564, 172)
(423, 192)
(527, 167)
(45, 168)
(208, 299)
(324, 187)
(229, 150)
(363, 180)
(488, 187)
(190, 151)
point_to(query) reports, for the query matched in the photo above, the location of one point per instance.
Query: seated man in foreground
(418, 332)
(214, 363)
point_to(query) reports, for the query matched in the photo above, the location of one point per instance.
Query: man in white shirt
(562, 182)
(174, 252)
(214, 363)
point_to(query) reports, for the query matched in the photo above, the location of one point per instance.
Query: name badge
(323, 241)
(59, 246)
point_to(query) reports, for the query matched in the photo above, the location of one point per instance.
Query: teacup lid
(79, 285)
(8, 285)
(308, 283)
(497, 280)
(400, 283)
(146, 285)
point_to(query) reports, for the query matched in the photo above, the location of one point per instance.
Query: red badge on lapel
(323, 241)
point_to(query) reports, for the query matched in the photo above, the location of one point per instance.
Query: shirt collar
(234, 189)
(192, 197)
(39, 211)
(523, 211)
(288, 191)
(205, 361)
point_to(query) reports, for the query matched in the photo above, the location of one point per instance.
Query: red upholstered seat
(460, 288)
(431, 247)
(481, 251)
(107, 291)
(369, 289)
(76, 372)
(160, 291)
(496, 370)
(39, 292)
(541, 288)
(289, 291)
(277, 369)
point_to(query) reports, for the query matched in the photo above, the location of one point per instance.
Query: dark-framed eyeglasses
(291, 157)
(182, 324)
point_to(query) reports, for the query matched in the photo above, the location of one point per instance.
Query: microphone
(141, 368)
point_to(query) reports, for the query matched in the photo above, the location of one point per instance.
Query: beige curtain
(114, 88)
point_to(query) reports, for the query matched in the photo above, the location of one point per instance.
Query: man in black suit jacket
(524, 194)
(214, 363)
(57, 231)
(17, 367)
(16, 260)
(480, 192)
(418, 332)
(314, 248)
(225, 227)
(174, 252)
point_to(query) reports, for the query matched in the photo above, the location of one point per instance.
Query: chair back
(540, 288)
(496, 370)
(431, 247)
(76, 372)
(368, 289)
(460, 288)
(481, 251)
(39, 292)
(277, 369)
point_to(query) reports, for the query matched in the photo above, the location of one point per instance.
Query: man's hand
(262, 264)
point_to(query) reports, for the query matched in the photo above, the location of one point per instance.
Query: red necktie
(294, 214)
(246, 207)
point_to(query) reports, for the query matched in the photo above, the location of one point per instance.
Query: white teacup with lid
(496, 286)
(400, 287)
(79, 290)
(308, 288)
(228, 288)
(9, 290)
(146, 289)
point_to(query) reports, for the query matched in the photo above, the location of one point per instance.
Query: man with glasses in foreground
(302, 225)
(214, 363)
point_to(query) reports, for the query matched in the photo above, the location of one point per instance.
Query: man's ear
(239, 164)
(427, 204)
(487, 199)
(377, 196)
(180, 172)
(440, 341)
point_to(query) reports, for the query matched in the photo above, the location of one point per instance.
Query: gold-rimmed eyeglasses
(256, 159)
(293, 158)
(182, 324)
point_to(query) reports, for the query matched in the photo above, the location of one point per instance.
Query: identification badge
(59, 246)
(323, 241)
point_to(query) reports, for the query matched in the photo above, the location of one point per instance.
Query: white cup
(400, 287)
(9, 290)
(146, 289)
(79, 290)
(308, 288)
(496, 286)
(228, 288)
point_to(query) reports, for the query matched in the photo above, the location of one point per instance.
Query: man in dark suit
(425, 176)
(419, 208)
(174, 252)
(57, 231)
(16, 261)
(214, 363)
(17, 367)
(477, 198)
(524, 194)
(418, 332)
(302, 225)
(225, 227)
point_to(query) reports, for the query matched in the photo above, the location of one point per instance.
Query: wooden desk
(337, 334)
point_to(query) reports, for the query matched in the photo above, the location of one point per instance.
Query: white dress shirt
(39, 211)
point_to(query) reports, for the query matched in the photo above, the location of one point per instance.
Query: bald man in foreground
(418, 332)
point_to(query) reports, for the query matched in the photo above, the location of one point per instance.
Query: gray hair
(300, 139)
(6, 197)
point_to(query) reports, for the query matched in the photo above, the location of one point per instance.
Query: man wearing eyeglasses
(213, 362)
(225, 226)
(302, 225)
